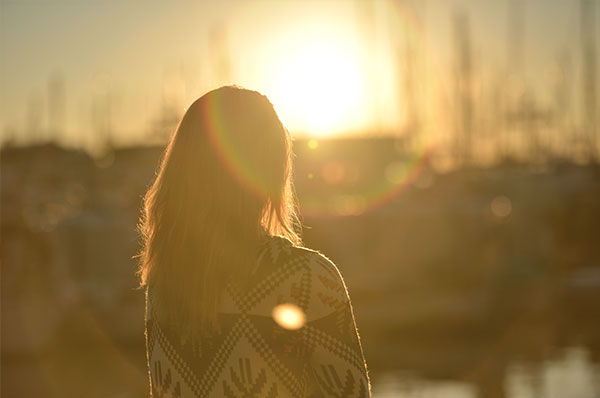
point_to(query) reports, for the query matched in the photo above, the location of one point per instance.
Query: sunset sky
(328, 67)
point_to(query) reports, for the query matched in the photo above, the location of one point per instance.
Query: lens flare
(289, 316)
(229, 155)
(321, 81)
(362, 190)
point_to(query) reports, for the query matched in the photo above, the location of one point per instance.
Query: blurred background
(447, 159)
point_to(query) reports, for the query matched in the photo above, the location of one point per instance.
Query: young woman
(235, 307)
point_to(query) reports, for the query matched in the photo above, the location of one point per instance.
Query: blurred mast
(514, 70)
(56, 106)
(411, 75)
(588, 65)
(516, 29)
(562, 104)
(101, 118)
(463, 88)
(365, 11)
(523, 112)
(412, 116)
(34, 118)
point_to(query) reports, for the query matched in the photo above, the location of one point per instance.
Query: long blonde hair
(224, 182)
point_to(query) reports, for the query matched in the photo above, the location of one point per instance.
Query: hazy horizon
(90, 68)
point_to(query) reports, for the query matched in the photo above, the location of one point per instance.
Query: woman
(235, 307)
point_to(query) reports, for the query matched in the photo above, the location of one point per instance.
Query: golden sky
(330, 67)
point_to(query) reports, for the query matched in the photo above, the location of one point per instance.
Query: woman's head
(224, 181)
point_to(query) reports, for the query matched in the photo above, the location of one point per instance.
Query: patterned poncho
(252, 355)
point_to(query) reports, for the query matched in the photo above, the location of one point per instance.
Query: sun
(318, 87)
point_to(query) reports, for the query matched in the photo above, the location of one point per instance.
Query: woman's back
(252, 355)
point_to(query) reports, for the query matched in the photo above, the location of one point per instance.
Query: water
(571, 375)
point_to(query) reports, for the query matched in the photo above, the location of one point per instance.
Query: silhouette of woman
(235, 307)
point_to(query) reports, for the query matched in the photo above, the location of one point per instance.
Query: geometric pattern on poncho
(252, 356)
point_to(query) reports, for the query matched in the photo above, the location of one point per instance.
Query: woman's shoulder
(281, 252)
(311, 271)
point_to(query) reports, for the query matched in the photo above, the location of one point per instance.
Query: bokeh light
(501, 206)
(289, 316)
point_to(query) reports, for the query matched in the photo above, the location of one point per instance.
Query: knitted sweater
(252, 355)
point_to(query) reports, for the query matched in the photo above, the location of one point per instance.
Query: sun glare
(319, 86)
